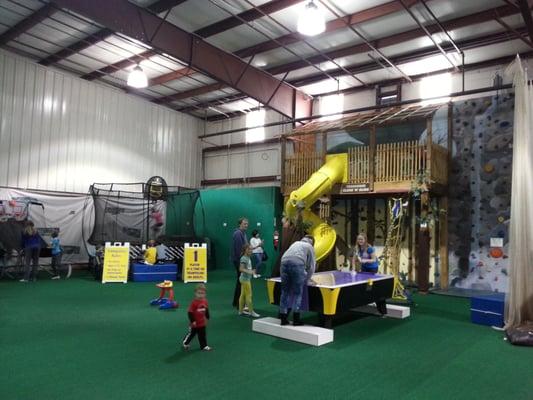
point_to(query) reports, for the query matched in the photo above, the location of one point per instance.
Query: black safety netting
(136, 213)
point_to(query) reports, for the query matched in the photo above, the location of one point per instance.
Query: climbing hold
(496, 252)
(488, 168)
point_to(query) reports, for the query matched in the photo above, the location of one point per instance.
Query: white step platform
(393, 310)
(308, 334)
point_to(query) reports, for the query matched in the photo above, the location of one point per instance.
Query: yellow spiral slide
(319, 184)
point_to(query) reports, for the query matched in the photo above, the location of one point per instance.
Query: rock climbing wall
(480, 193)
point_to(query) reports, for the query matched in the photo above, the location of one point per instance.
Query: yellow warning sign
(195, 262)
(116, 262)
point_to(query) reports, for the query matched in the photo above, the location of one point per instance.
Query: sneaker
(253, 314)
(207, 348)
(56, 277)
(23, 280)
(185, 346)
(244, 313)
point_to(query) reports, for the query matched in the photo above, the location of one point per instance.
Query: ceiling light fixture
(311, 21)
(137, 78)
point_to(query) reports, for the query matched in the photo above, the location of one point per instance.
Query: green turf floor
(79, 339)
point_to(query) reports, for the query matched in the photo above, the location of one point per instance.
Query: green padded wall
(222, 209)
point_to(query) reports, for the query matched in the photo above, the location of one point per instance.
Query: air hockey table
(338, 291)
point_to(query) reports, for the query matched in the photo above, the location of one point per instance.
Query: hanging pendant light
(137, 78)
(311, 21)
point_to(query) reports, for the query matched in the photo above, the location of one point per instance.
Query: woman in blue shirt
(365, 255)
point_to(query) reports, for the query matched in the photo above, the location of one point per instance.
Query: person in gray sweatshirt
(298, 265)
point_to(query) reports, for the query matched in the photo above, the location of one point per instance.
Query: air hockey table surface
(338, 291)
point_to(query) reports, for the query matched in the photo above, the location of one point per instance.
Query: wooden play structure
(380, 166)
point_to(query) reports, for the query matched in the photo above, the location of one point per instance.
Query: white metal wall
(251, 161)
(59, 132)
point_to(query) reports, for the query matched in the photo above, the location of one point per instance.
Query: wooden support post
(372, 157)
(443, 209)
(429, 145)
(324, 145)
(449, 143)
(422, 276)
(371, 220)
(386, 219)
(347, 217)
(283, 156)
(412, 240)
(354, 231)
(443, 242)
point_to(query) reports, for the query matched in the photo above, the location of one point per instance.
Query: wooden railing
(397, 162)
(439, 164)
(393, 162)
(299, 167)
(359, 164)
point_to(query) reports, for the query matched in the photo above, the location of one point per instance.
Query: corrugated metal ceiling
(63, 29)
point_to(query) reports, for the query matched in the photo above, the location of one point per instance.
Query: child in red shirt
(198, 315)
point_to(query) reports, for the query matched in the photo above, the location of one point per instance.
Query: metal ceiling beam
(307, 43)
(213, 103)
(352, 111)
(189, 93)
(517, 34)
(180, 73)
(126, 18)
(363, 38)
(461, 22)
(467, 67)
(429, 34)
(450, 39)
(27, 23)
(76, 47)
(371, 66)
(412, 56)
(122, 64)
(399, 38)
(222, 26)
(164, 5)
(526, 14)
(333, 25)
(128, 90)
(248, 15)
(214, 2)
(102, 34)
(361, 16)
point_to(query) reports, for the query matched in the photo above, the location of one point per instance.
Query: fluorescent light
(311, 21)
(137, 78)
(330, 105)
(255, 118)
(436, 88)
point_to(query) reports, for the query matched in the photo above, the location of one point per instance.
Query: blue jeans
(258, 262)
(293, 278)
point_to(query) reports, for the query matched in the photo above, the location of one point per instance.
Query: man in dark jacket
(239, 239)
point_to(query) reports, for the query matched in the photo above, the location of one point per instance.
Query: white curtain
(519, 301)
